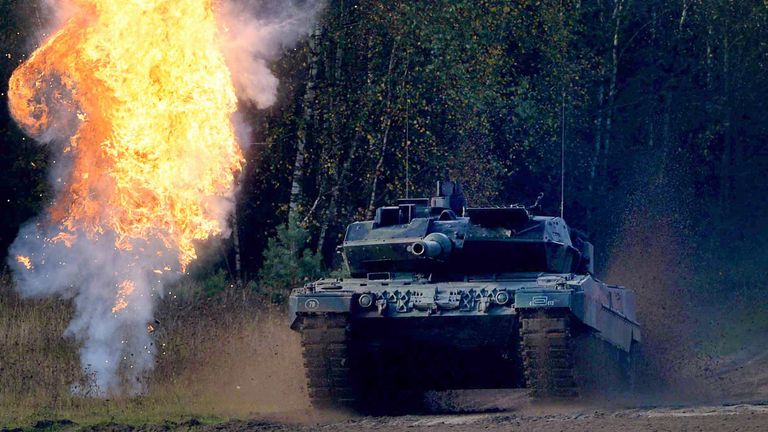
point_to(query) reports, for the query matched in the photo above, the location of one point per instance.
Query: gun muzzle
(435, 245)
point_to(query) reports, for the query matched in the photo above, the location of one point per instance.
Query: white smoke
(50, 14)
(117, 349)
(255, 32)
(89, 272)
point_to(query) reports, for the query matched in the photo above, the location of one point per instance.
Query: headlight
(365, 300)
(502, 297)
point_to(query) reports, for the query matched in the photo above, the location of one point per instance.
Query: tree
(288, 262)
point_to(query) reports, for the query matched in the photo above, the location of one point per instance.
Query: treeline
(660, 105)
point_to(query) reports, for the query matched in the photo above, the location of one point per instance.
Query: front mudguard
(303, 302)
(609, 324)
(543, 298)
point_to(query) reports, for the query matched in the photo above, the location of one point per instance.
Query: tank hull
(477, 354)
(607, 310)
(509, 331)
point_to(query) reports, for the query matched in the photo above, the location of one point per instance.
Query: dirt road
(741, 379)
(478, 410)
(738, 417)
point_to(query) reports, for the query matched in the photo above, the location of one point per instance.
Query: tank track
(326, 352)
(546, 348)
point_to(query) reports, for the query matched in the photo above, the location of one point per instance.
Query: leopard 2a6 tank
(444, 296)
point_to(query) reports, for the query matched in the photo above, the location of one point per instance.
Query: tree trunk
(378, 170)
(616, 16)
(236, 244)
(683, 15)
(385, 135)
(332, 210)
(598, 142)
(305, 124)
(666, 131)
(726, 161)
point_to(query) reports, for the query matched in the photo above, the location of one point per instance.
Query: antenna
(562, 130)
(407, 153)
(562, 160)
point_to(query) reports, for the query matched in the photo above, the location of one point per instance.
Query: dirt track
(492, 410)
(739, 417)
(742, 379)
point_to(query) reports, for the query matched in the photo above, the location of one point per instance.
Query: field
(220, 357)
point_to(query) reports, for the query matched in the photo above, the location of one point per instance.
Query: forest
(656, 110)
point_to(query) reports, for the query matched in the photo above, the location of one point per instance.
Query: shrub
(288, 262)
(215, 283)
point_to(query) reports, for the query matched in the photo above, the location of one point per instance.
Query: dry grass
(225, 357)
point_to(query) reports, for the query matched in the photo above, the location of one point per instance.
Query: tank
(444, 296)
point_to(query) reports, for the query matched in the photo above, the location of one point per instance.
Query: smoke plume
(255, 33)
(140, 206)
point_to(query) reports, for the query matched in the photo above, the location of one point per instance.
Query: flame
(142, 90)
(25, 261)
(125, 289)
(63, 237)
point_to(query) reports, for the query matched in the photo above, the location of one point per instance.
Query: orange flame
(143, 92)
(65, 238)
(125, 289)
(25, 261)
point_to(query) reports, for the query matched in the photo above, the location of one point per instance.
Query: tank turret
(444, 237)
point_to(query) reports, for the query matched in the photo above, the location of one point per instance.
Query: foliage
(385, 98)
(391, 96)
(288, 262)
(215, 283)
(665, 113)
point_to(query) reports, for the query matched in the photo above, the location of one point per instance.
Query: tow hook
(381, 305)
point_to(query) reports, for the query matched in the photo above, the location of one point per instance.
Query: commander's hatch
(405, 211)
(511, 218)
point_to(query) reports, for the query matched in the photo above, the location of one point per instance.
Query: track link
(326, 352)
(546, 349)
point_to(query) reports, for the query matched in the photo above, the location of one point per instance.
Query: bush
(288, 262)
(215, 283)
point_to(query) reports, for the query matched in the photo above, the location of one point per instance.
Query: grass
(137, 411)
(230, 356)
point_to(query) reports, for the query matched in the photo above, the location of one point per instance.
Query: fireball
(138, 95)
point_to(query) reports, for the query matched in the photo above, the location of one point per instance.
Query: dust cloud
(659, 252)
(229, 356)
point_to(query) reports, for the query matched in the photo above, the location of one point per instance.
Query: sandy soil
(742, 381)
(727, 394)
(492, 410)
(737, 417)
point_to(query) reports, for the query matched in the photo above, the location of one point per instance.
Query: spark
(25, 261)
(125, 289)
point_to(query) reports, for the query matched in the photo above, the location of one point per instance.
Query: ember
(25, 261)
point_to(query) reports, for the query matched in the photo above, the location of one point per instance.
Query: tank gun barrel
(427, 248)
(435, 245)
